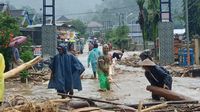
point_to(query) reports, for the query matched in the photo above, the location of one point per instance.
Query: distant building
(22, 17)
(62, 19)
(135, 33)
(4, 7)
(180, 33)
(94, 27)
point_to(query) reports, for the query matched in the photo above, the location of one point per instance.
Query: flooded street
(129, 87)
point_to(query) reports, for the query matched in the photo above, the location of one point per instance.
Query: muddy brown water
(130, 87)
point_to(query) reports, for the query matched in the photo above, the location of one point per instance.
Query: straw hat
(146, 62)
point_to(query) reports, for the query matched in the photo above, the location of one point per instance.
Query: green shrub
(26, 56)
(24, 74)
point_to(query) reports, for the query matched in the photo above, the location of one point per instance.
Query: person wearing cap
(156, 75)
(66, 70)
(2, 68)
(93, 57)
(145, 54)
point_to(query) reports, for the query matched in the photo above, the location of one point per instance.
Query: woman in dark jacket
(156, 75)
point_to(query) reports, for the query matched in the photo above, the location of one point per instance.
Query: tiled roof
(17, 13)
(62, 18)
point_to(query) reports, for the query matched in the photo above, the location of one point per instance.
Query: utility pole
(187, 28)
(49, 39)
(165, 34)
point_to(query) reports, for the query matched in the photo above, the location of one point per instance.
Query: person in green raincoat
(92, 58)
(2, 68)
(104, 63)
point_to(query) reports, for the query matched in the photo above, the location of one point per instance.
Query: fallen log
(167, 94)
(22, 67)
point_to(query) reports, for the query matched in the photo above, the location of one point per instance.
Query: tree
(193, 16)
(148, 19)
(118, 36)
(79, 26)
(8, 29)
(143, 20)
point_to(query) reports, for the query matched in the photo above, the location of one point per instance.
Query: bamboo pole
(154, 107)
(140, 106)
(22, 67)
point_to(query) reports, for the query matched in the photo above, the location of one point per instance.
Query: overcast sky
(63, 7)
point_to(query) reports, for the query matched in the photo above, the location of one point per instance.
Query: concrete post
(166, 42)
(49, 40)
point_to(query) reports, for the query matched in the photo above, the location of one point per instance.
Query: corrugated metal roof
(94, 24)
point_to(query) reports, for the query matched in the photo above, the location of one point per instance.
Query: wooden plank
(196, 50)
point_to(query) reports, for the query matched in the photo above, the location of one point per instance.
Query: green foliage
(193, 16)
(97, 34)
(79, 26)
(110, 34)
(177, 14)
(24, 74)
(148, 19)
(26, 53)
(26, 56)
(119, 37)
(8, 28)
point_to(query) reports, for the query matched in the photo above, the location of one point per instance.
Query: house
(35, 18)
(94, 27)
(22, 17)
(180, 33)
(62, 19)
(4, 7)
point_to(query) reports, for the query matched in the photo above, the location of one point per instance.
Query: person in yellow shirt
(2, 68)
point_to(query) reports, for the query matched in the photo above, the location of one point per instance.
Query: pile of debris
(39, 76)
(130, 61)
(190, 71)
(21, 104)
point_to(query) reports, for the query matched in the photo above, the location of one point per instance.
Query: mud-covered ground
(129, 87)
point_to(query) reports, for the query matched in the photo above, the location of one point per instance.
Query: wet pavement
(129, 87)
